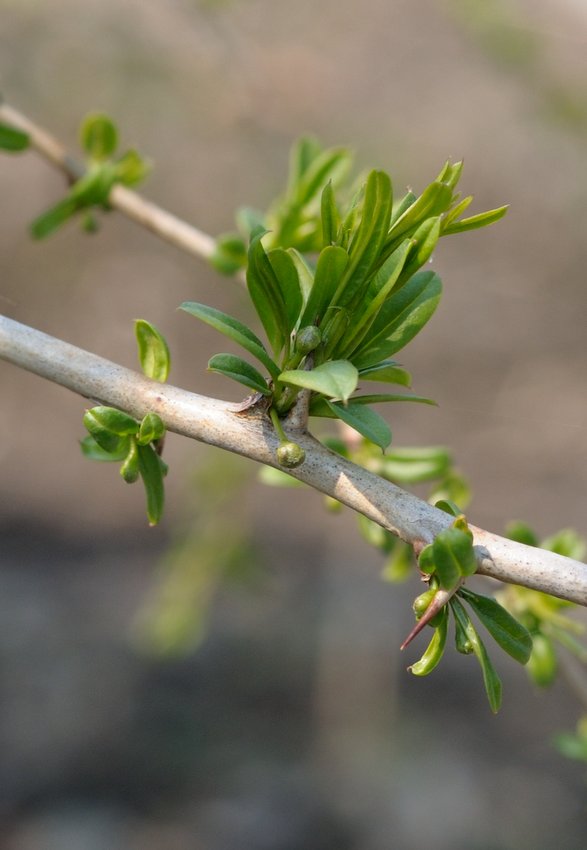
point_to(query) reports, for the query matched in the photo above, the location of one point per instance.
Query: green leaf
(449, 507)
(331, 164)
(414, 465)
(266, 295)
(152, 428)
(230, 253)
(111, 419)
(50, 221)
(363, 419)
(152, 475)
(239, 370)
(287, 276)
(401, 206)
(456, 211)
(329, 271)
(434, 200)
(434, 651)
(476, 221)
(93, 188)
(303, 152)
(330, 216)
(94, 451)
(104, 436)
(234, 330)
(130, 469)
(510, 634)
(454, 556)
(154, 354)
(369, 238)
(387, 372)
(13, 140)
(423, 243)
(335, 379)
(402, 316)
(491, 680)
(542, 665)
(521, 533)
(98, 136)
(131, 169)
(274, 477)
(567, 543)
(382, 398)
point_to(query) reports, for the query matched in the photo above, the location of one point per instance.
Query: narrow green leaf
(332, 164)
(305, 272)
(401, 206)
(434, 651)
(424, 242)
(302, 154)
(434, 200)
(388, 372)
(413, 465)
(454, 556)
(491, 680)
(451, 173)
(476, 221)
(335, 379)
(449, 507)
(456, 211)
(266, 295)
(98, 136)
(239, 370)
(152, 428)
(50, 221)
(94, 451)
(369, 238)
(510, 634)
(287, 276)
(234, 330)
(153, 351)
(330, 216)
(152, 475)
(381, 398)
(363, 419)
(402, 316)
(332, 262)
(13, 140)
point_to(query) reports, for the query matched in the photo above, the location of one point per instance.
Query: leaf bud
(308, 339)
(542, 664)
(290, 455)
(421, 603)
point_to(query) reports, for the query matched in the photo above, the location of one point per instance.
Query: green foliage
(13, 140)
(343, 266)
(99, 140)
(117, 437)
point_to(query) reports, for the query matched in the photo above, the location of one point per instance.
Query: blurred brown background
(294, 724)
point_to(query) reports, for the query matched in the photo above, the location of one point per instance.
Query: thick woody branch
(250, 434)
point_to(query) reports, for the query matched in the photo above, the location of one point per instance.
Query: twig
(250, 434)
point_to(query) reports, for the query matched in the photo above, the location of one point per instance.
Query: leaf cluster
(338, 287)
(99, 140)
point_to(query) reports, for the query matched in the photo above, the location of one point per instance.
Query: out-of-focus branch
(250, 434)
(184, 236)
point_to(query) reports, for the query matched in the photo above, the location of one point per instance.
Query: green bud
(290, 455)
(421, 603)
(152, 428)
(308, 339)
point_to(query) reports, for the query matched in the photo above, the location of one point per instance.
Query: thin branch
(250, 433)
(184, 236)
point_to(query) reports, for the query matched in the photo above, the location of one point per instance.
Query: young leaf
(434, 651)
(234, 330)
(491, 680)
(154, 354)
(335, 379)
(230, 253)
(401, 206)
(331, 164)
(424, 242)
(454, 556)
(50, 221)
(387, 372)
(510, 634)
(152, 475)
(329, 271)
(413, 465)
(130, 469)
(380, 398)
(111, 419)
(131, 169)
(476, 221)
(239, 370)
(98, 136)
(94, 451)
(402, 316)
(13, 140)
(434, 200)
(106, 439)
(330, 216)
(266, 295)
(287, 276)
(152, 428)
(362, 418)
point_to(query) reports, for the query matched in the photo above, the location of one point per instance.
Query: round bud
(308, 339)
(421, 603)
(290, 455)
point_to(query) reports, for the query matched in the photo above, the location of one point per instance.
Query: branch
(160, 222)
(220, 424)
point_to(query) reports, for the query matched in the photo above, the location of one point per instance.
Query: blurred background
(232, 679)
